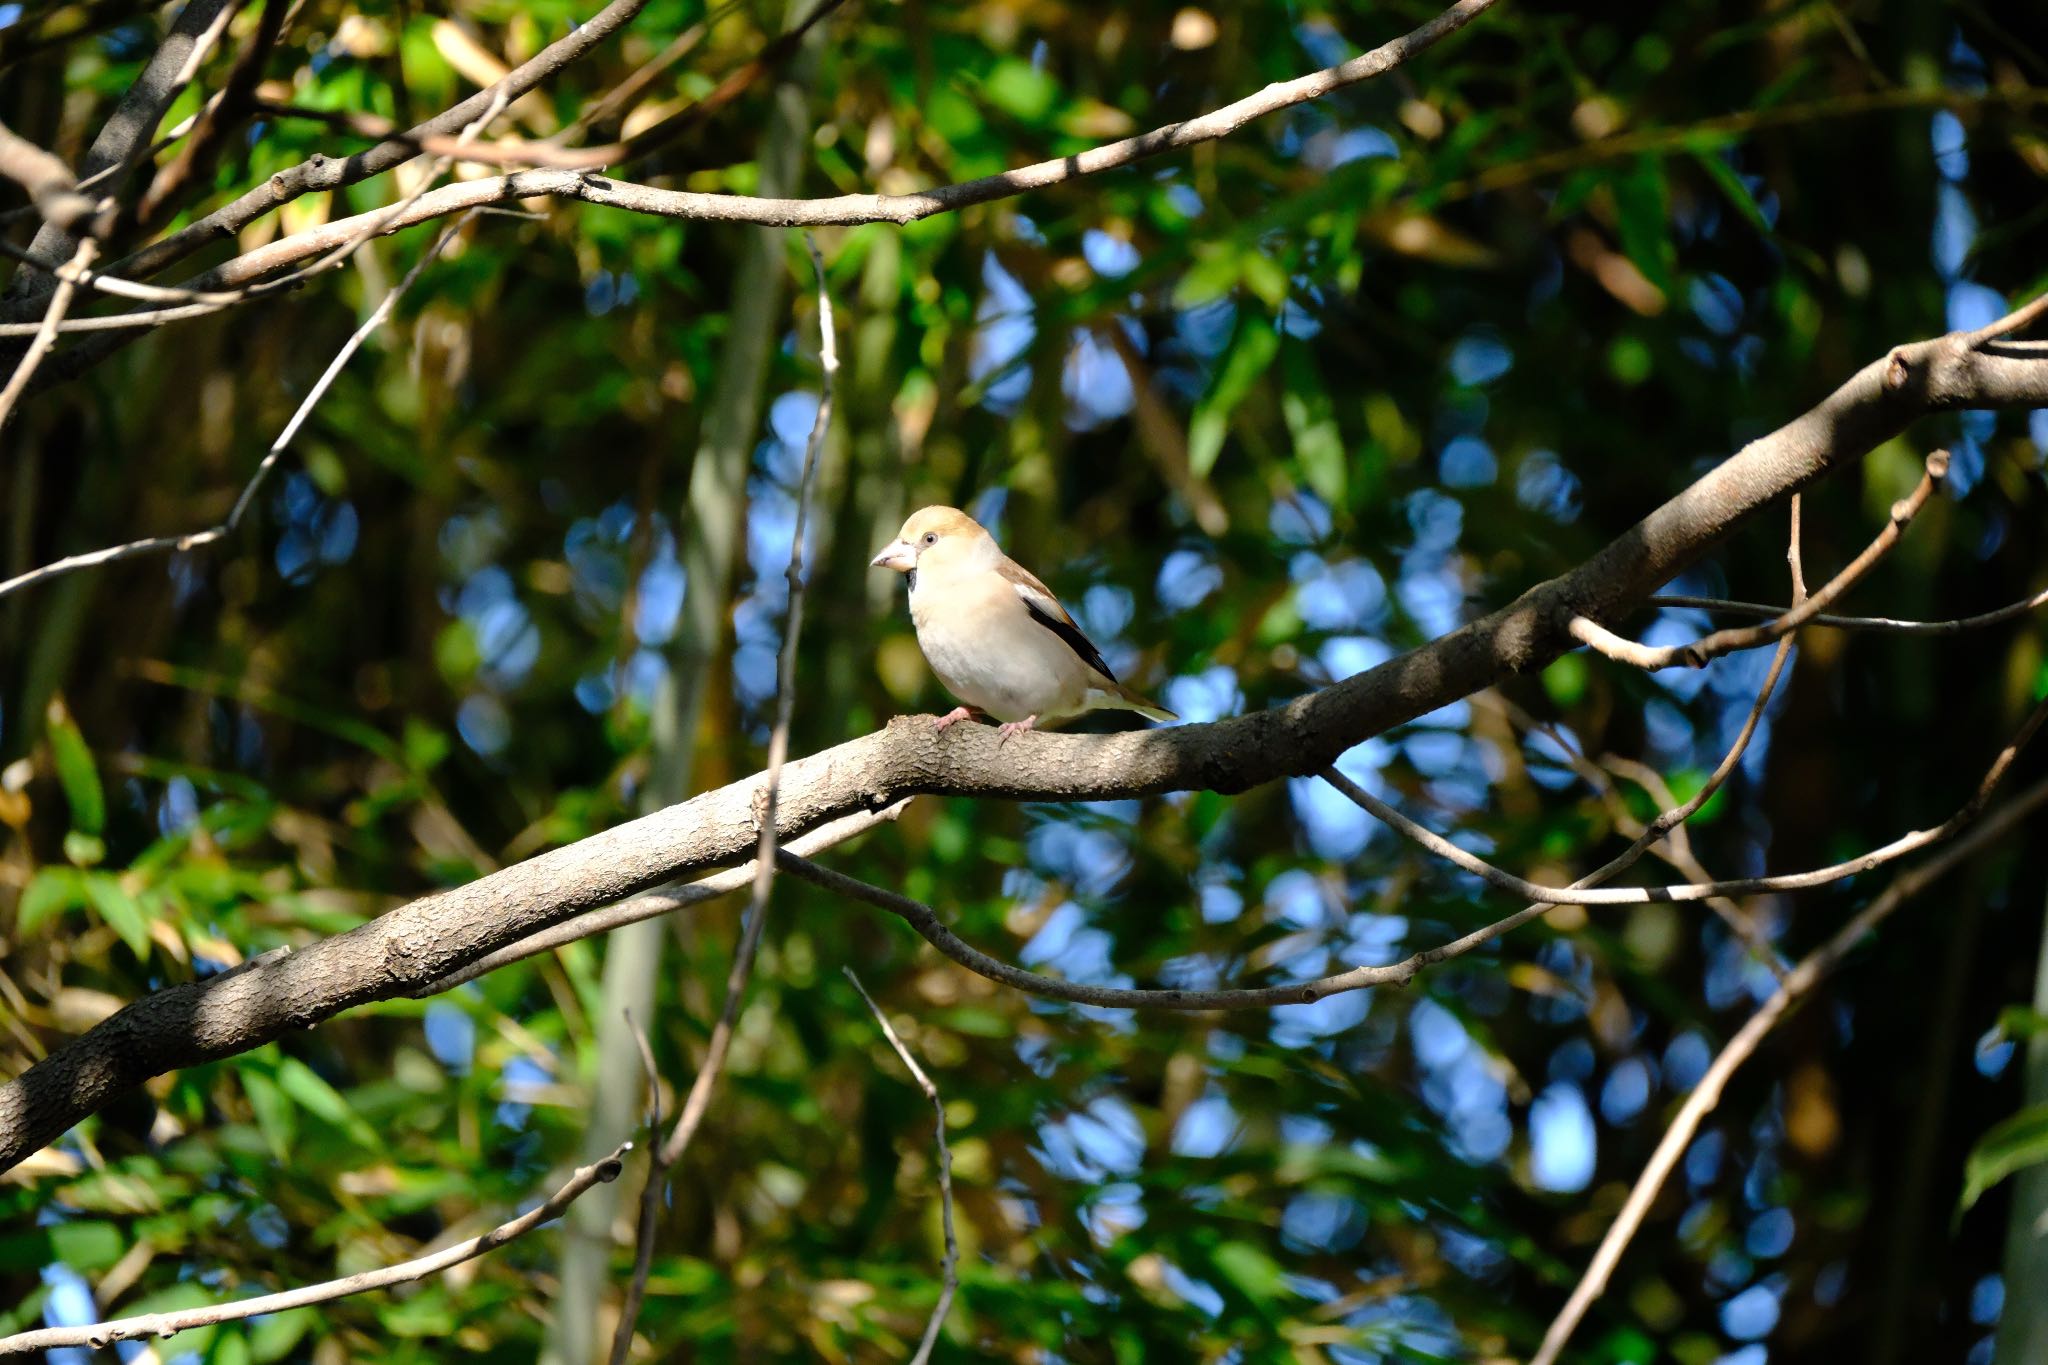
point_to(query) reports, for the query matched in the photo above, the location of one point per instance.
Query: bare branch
(698, 1102)
(101, 1335)
(52, 188)
(200, 1021)
(194, 165)
(126, 135)
(255, 266)
(2008, 612)
(204, 302)
(1670, 825)
(157, 545)
(1698, 653)
(1911, 842)
(1810, 971)
(328, 173)
(926, 922)
(45, 332)
(614, 103)
(663, 901)
(949, 1268)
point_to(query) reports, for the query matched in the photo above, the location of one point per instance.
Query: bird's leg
(952, 717)
(1011, 727)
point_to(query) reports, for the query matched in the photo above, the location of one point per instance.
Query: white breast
(989, 653)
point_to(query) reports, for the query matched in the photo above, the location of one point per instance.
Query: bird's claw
(1012, 727)
(952, 717)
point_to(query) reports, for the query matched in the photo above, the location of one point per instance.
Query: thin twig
(322, 172)
(698, 1101)
(193, 540)
(1810, 971)
(98, 1336)
(838, 210)
(46, 330)
(125, 138)
(202, 302)
(1910, 842)
(1669, 826)
(619, 99)
(926, 922)
(949, 1267)
(1697, 654)
(1957, 626)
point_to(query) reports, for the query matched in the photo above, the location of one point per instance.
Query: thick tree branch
(662, 901)
(429, 938)
(100, 1335)
(126, 135)
(51, 186)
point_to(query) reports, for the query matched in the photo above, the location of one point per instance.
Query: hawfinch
(996, 636)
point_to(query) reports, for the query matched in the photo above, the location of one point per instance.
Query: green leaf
(1252, 348)
(1565, 679)
(1255, 1274)
(1264, 276)
(87, 1246)
(274, 1116)
(1311, 421)
(50, 892)
(322, 1100)
(75, 771)
(1021, 90)
(272, 1336)
(84, 850)
(1724, 176)
(1213, 275)
(121, 912)
(1645, 222)
(2018, 1021)
(2012, 1144)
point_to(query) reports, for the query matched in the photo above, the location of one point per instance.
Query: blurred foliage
(1265, 414)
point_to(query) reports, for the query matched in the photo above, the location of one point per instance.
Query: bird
(996, 636)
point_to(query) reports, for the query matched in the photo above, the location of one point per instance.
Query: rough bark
(428, 938)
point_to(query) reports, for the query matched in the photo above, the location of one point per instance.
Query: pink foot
(952, 717)
(1011, 727)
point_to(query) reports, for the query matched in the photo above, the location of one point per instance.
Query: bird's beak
(897, 555)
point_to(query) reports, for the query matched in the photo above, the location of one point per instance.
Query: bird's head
(936, 541)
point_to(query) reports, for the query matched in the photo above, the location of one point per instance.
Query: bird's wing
(1047, 611)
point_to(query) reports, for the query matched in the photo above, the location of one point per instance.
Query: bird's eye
(931, 537)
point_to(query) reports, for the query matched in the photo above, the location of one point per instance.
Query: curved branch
(1577, 894)
(1700, 652)
(1812, 969)
(2010, 611)
(429, 938)
(100, 1335)
(328, 173)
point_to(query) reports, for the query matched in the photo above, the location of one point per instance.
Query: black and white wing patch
(1046, 610)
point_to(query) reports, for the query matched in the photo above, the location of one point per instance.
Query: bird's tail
(1117, 697)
